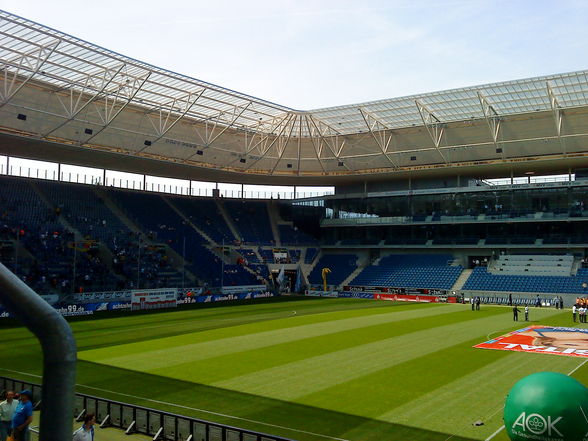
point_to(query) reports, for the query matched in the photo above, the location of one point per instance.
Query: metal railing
(143, 420)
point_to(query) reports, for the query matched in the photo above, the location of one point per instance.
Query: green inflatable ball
(547, 406)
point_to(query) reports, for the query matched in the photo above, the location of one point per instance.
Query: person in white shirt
(86, 432)
(574, 312)
(7, 408)
(526, 313)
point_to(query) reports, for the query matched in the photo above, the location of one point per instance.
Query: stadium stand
(205, 215)
(482, 280)
(410, 271)
(267, 255)
(341, 266)
(252, 220)
(311, 253)
(293, 236)
(248, 254)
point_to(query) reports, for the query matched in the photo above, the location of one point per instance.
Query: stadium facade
(414, 176)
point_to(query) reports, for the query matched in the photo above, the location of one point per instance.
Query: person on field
(515, 314)
(477, 303)
(527, 313)
(473, 301)
(86, 432)
(574, 312)
(23, 416)
(7, 408)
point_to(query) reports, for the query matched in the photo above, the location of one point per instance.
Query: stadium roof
(83, 85)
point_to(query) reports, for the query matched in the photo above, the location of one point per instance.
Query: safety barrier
(152, 422)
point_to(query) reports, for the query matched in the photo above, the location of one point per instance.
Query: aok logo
(537, 424)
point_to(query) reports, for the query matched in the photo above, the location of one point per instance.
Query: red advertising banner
(572, 342)
(414, 298)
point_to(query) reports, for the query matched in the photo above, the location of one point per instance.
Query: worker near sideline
(527, 313)
(515, 314)
(574, 312)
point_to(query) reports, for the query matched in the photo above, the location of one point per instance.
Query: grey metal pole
(184, 263)
(139, 264)
(59, 354)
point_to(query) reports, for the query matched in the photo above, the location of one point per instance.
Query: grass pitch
(308, 369)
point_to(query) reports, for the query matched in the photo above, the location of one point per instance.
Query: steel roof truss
(380, 132)
(492, 120)
(557, 115)
(317, 148)
(267, 147)
(93, 86)
(264, 136)
(26, 65)
(283, 142)
(122, 96)
(434, 127)
(180, 107)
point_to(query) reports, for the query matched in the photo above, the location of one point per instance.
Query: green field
(307, 369)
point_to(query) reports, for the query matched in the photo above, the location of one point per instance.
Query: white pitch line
(569, 374)
(495, 433)
(191, 408)
(577, 367)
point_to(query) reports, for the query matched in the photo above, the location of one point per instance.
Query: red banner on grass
(572, 342)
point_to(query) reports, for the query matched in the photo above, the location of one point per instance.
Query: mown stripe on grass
(211, 370)
(294, 380)
(477, 395)
(171, 351)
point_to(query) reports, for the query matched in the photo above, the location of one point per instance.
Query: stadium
(320, 269)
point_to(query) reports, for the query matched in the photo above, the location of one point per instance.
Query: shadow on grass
(291, 420)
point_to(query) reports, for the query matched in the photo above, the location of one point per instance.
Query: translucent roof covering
(54, 58)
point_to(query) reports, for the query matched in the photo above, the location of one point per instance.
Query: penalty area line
(180, 406)
(569, 374)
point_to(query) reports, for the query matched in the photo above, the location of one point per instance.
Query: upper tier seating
(311, 253)
(293, 236)
(251, 218)
(482, 280)
(341, 266)
(533, 265)
(205, 215)
(162, 223)
(85, 211)
(411, 271)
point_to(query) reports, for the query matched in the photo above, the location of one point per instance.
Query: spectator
(86, 432)
(7, 408)
(23, 416)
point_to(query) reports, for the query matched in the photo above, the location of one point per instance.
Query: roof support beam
(492, 120)
(283, 141)
(261, 145)
(181, 105)
(285, 123)
(378, 131)
(317, 148)
(25, 65)
(433, 125)
(325, 135)
(557, 115)
(123, 94)
(96, 82)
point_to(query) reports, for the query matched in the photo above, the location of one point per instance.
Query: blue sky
(313, 54)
